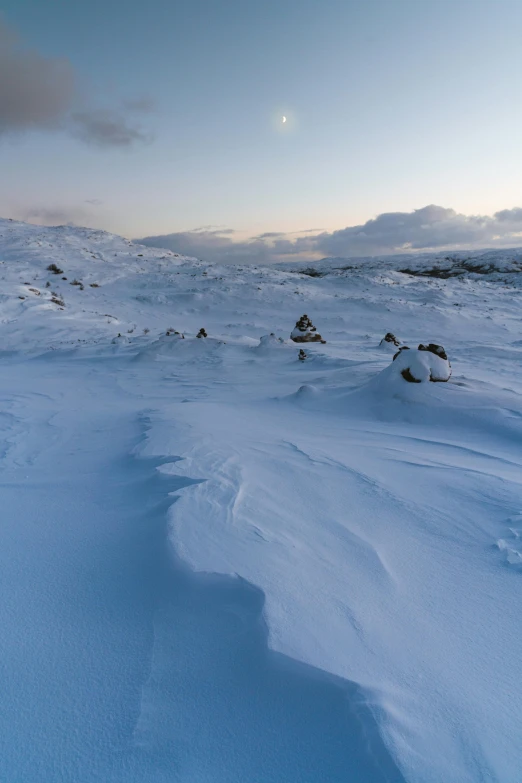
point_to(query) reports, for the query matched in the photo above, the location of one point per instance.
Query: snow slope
(221, 563)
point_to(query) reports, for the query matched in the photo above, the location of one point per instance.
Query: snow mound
(305, 392)
(120, 339)
(185, 348)
(426, 363)
(269, 342)
(513, 555)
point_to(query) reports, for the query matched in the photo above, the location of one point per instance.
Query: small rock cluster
(305, 332)
(202, 333)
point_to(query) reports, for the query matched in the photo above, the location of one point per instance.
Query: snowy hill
(500, 265)
(220, 562)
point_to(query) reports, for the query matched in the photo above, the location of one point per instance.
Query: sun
(284, 119)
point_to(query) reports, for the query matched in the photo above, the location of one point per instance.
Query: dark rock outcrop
(390, 338)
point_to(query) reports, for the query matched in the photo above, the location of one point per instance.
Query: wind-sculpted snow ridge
(121, 667)
(224, 563)
(325, 513)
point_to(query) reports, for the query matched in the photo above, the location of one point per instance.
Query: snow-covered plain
(220, 563)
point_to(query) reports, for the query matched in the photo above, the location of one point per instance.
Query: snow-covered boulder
(120, 339)
(438, 350)
(426, 363)
(269, 344)
(305, 332)
(270, 340)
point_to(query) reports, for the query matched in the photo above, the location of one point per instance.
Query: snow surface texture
(220, 563)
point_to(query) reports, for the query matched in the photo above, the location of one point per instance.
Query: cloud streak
(104, 128)
(41, 93)
(430, 228)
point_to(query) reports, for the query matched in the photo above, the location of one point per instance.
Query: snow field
(223, 563)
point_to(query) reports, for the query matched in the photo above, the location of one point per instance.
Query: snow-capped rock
(426, 363)
(305, 332)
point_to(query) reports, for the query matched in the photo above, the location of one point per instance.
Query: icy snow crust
(221, 563)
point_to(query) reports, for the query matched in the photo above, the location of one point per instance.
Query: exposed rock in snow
(305, 332)
(426, 363)
(390, 341)
(202, 333)
(54, 269)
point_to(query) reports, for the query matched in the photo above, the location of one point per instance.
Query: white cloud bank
(429, 228)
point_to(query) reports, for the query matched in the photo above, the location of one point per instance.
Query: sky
(403, 131)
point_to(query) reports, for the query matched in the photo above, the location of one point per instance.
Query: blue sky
(392, 105)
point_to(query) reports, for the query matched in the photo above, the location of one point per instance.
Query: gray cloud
(35, 91)
(41, 93)
(143, 103)
(212, 230)
(430, 228)
(52, 216)
(217, 246)
(510, 215)
(81, 213)
(102, 128)
(200, 242)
